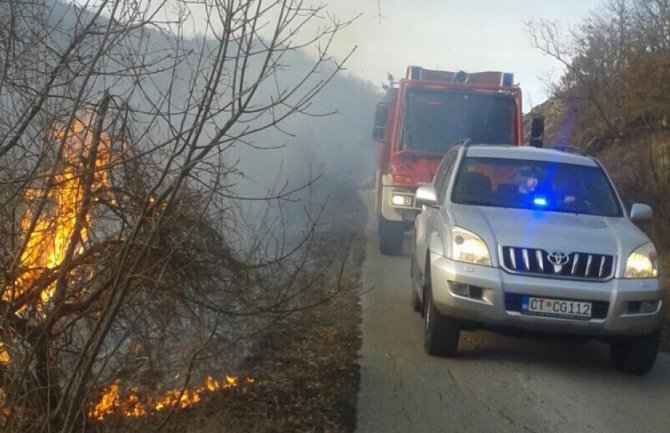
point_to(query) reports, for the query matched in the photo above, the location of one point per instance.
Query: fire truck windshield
(436, 120)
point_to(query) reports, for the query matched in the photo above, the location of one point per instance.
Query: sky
(470, 35)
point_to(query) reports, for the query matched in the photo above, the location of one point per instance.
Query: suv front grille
(576, 265)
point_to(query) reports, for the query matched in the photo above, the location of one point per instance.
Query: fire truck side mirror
(536, 131)
(379, 128)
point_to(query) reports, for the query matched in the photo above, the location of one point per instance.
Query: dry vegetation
(134, 265)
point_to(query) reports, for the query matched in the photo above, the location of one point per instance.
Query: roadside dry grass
(306, 382)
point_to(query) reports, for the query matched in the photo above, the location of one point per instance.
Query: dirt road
(497, 383)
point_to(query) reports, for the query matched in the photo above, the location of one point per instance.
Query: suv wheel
(635, 355)
(390, 237)
(416, 302)
(441, 333)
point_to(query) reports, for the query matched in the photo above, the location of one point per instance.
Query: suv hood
(556, 231)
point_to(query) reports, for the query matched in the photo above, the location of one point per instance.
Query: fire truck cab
(419, 119)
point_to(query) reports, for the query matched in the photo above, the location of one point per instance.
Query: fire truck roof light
(507, 79)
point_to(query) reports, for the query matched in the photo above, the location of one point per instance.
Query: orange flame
(4, 356)
(111, 403)
(54, 227)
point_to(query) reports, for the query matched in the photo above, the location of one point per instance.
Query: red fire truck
(420, 118)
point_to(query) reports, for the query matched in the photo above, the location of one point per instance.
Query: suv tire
(441, 333)
(635, 355)
(390, 237)
(416, 302)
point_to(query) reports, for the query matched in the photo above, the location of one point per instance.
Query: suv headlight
(468, 247)
(642, 263)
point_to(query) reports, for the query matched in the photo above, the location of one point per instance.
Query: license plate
(556, 308)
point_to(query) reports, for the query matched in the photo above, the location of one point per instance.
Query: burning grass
(111, 403)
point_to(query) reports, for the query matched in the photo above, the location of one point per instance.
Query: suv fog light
(459, 289)
(648, 306)
(466, 290)
(642, 307)
(401, 200)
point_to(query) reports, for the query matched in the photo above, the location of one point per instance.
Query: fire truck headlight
(401, 200)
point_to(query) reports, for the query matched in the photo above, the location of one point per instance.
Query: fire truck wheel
(390, 237)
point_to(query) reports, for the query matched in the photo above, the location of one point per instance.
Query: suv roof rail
(567, 148)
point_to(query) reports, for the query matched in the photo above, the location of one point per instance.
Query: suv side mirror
(536, 131)
(425, 196)
(641, 213)
(379, 128)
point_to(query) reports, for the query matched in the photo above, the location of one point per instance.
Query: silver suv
(536, 240)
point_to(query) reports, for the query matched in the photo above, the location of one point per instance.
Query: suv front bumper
(491, 296)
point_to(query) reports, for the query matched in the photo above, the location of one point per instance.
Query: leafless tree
(120, 226)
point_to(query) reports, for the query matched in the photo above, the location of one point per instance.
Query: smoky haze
(325, 144)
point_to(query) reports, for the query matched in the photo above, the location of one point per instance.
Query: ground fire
(112, 403)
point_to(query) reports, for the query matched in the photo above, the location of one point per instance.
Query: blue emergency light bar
(540, 201)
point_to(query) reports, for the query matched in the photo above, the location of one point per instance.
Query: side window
(444, 173)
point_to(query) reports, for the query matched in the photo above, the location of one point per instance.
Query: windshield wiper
(460, 142)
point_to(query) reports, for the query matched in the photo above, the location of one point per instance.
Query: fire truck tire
(390, 237)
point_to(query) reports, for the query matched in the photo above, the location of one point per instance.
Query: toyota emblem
(558, 259)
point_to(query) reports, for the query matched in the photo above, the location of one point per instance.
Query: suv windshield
(526, 184)
(435, 120)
